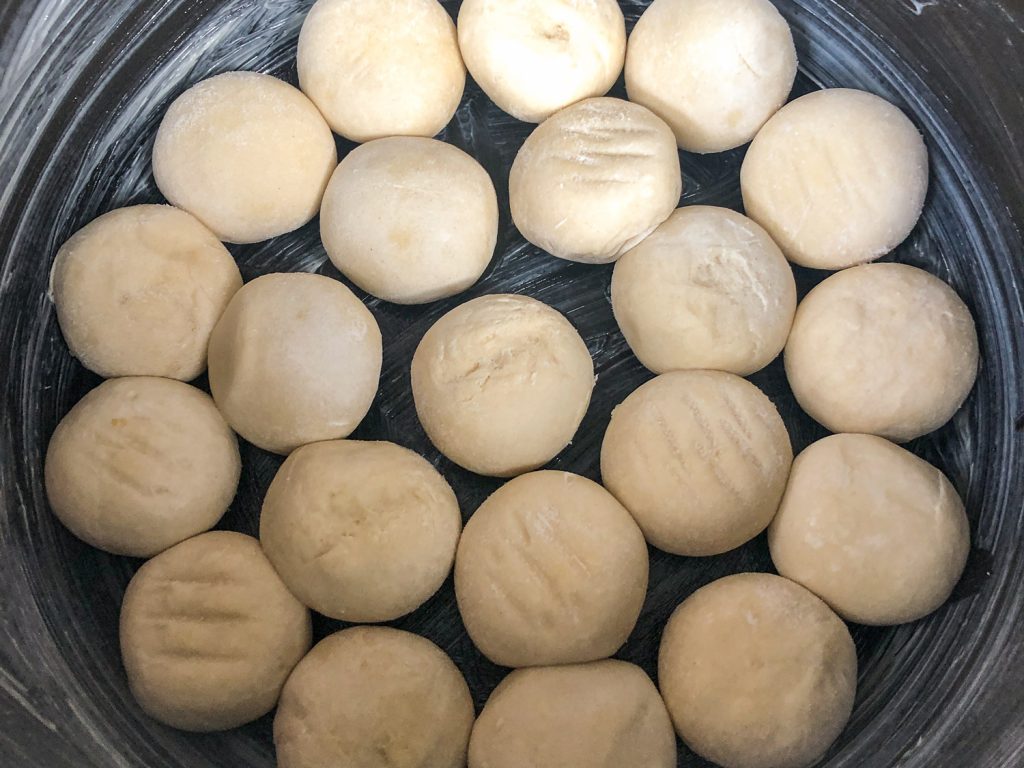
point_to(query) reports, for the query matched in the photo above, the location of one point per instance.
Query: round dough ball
(209, 633)
(295, 359)
(594, 180)
(877, 533)
(700, 459)
(550, 570)
(883, 349)
(837, 177)
(381, 69)
(140, 464)
(606, 714)
(247, 154)
(535, 57)
(410, 220)
(757, 673)
(707, 289)
(138, 291)
(374, 697)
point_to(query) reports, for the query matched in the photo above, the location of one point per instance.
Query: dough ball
(837, 177)
(606, 714)
(757, 673)
(714, 70)
(138, 291)
(877, 533)
(381, 69)
(550, 570)
(209, 633)
(140, 464)
(882, 349)
(295, 359)
(707, 289)
(534, 57)
(410, 220)
(700, 458)
(594, 180)
(374, 697)
(247, 154)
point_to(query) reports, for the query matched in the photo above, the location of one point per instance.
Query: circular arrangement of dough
(410, 220)
(700, 459)
(534, 57)
(877, 533)
(883, 349)
(138, 290)
(374, 697)
(295, 359)
(714, 70)
(550, 570)
(501, 383)
(209, 634)
(246, 154)
(707, 289)
(595, 179)
(757, 673)
(838, 177)
(140, 464)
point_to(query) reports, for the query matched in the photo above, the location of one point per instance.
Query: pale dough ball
(700, 459)
(550, 570)
(501, 383)
(410, 220)
(374, 697)
(606, 714)
(247, 154)
(837, 177)
(707, 289)
(209, 633)
(714, 70)
(295, 359)
(883, 349)
(138, 290)
(375, 69)
(534, 57)
(757, 673)
(140, 464)
(595, 179)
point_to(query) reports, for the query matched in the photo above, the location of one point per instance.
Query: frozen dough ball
(757, 673)
(295, 359)
(140, 464)
(501, 383)
(883, 349)
(550, 570)
(700, 458)
(138, 291)
(209, 633)
(246, 154)
(707, 289)
(714, 70)
(595, 179)
(837, 177)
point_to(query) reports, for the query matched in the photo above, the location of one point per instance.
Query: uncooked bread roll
(757, 673)
(247, 154)
(707, 289)
(138, 291)
(140, 464)
(837, 177)
(594, 180)
(714, 70)
(700, 459)
(209, 633)
(501, 384)
(883, 349)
